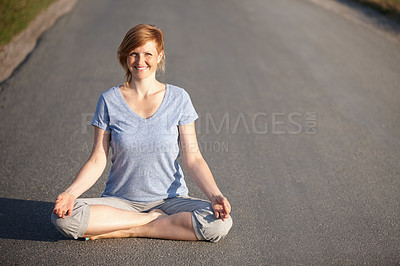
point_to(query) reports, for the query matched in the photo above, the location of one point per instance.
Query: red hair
(137, 37)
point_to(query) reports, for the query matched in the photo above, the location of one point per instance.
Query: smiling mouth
(141, 68)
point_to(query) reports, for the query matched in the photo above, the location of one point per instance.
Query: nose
(139, 59)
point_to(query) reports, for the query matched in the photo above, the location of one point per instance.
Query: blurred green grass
(15, 16)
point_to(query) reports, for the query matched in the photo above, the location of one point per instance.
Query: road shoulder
(365, 16)
(14, 53)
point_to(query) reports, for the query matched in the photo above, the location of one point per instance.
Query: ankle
(157, 213)
(137, 231)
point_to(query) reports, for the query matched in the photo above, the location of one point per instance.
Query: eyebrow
(143, 52)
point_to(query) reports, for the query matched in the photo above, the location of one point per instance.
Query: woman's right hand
(64, 205)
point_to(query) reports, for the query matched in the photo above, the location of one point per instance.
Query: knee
(210, 228)
(62, 225)
(219, 229)
(73, 226)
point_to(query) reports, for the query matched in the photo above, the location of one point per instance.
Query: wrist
(71, 194)
(215, 197)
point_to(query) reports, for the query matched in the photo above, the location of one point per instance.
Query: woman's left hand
(221, 207)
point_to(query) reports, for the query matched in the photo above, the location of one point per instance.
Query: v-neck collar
(130, 110)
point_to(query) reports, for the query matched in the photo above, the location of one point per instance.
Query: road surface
(299, 122)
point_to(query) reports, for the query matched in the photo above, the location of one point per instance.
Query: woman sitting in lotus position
(144, 121)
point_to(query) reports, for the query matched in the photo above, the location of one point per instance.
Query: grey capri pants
(205, 225)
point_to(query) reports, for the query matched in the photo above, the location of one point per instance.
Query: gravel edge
(14, 53)
(363, 15)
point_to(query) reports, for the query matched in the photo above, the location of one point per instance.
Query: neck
(144, 87)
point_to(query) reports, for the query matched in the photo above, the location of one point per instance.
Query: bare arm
(200, 172)
(87, 176)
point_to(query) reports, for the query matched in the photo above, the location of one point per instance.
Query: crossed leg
(105, 219)
(176, 226)
(114, 218)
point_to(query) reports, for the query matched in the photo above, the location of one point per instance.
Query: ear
(160, 56)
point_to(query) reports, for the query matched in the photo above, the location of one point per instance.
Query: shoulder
(109, 95)
(178, 92)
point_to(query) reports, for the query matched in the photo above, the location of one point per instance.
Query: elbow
(193, 162)
(99, 161)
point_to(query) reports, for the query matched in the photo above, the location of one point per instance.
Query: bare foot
(159, 213)
(115, 234)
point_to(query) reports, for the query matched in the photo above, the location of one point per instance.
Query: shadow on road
(27, 220)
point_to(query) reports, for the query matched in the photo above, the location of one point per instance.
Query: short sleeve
(188, 112)
(101, 117)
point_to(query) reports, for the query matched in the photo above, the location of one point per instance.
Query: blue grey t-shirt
(144, 151)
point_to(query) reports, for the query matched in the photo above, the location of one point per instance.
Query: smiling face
(142, 61)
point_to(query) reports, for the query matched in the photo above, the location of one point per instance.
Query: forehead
(149, 46)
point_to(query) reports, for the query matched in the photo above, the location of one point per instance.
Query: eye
(149, 54)
(133, 54)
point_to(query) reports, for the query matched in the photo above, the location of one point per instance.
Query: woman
(144, 121)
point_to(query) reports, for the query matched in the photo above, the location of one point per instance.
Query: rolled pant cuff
(84, 225)
(196, 227)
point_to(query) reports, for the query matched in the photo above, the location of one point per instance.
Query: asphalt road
(299, 121)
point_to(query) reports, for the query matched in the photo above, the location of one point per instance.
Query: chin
(143, 75)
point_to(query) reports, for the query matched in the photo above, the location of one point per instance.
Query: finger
(227, 207)
(216, 214)
(60, 212)
(224, 201)
(225, 216)
(218, 209)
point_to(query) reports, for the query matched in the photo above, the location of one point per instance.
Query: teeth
(140, 68)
